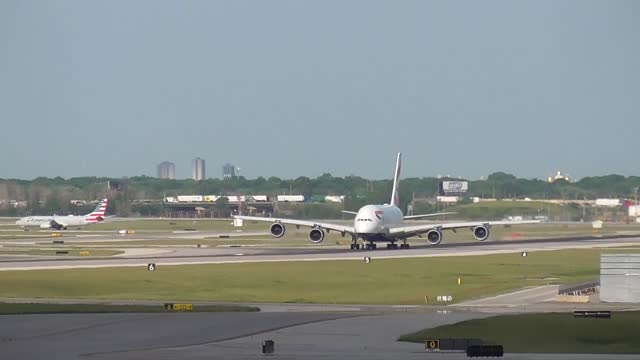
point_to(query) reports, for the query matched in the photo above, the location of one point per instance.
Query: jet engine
(481, 233)
(434, 237)
(277, 230)
(316, 235)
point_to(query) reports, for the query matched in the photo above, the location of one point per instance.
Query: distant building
(559, 176)
(197, 169)
(167, 170)
(228, 171)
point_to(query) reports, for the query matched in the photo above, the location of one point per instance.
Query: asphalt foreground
(231, 336)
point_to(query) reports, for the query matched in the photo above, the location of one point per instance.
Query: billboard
(453, 187)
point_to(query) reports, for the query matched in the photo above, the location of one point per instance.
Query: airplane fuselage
(372, 222)
(62, 222)
(45, 221)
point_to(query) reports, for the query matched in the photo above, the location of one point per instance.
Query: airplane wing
(326, 226)
(427, 215)
(409, 231)
(348, 212)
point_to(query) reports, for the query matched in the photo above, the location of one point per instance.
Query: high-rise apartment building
(197, 169)
(167, 170)
(228, 171)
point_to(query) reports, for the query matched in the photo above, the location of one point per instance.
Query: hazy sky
(290, 88)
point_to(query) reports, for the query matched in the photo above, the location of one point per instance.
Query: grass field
(547, 333)
(391, 281)
(21, 308)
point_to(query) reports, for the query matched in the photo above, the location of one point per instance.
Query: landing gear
(354, 243)
(392, 246)
(404, 246)
(370, 246)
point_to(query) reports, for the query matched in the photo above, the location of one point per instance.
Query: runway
(218, 255)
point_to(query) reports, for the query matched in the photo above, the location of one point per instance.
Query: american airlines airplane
(63, 222)
(383, 223)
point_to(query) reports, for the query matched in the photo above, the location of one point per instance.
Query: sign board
(178, 307)
(268, 347)
(151, 267)
(592, 314)
(367, 259)
(453, 187)
(432, 344)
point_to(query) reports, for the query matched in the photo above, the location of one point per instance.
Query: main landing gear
(354, 243)
(373, 246)
(395, 246)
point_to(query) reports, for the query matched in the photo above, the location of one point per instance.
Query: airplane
(383, 223)
(63, 222)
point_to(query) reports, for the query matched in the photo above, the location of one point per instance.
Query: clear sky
(291, 88)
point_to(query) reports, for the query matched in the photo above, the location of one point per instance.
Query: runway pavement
(69, 336)
(184, 256)
(231, 336)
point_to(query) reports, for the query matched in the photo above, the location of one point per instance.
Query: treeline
(53, 195)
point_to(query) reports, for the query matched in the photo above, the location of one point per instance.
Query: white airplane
(383, 223)
(63, 222)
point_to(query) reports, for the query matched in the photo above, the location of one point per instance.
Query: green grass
(391, 281)
(546, 333)
(22, 308)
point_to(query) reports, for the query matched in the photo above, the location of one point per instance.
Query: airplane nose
(366, 228)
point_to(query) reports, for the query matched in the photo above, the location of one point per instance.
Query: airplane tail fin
(395, 198)
(98, 214)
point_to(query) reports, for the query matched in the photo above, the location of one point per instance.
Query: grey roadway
(238, 255)
(229, 336)
(64, 336)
